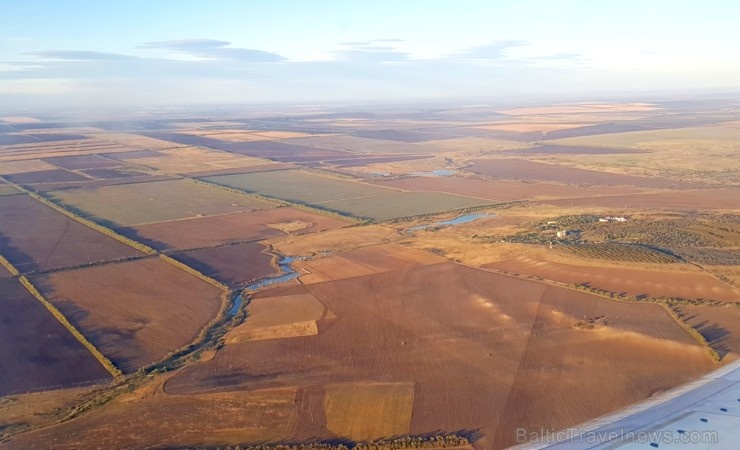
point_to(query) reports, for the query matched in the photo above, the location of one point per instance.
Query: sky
(173, 52)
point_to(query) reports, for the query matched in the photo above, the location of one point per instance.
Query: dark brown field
(45, 176)
(506, 351)
(134, 312)
(530, 170)
(216, 230)
(36, 351)
(35, 237)
(232, 265)
(83, 162)
(677, 283)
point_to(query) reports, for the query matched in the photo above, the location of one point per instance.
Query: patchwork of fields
(134, 244)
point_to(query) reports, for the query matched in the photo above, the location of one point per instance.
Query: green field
(402, 204)
(160, 201)
(345, 197)
(300, 187)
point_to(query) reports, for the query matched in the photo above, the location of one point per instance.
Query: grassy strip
(66, 323)
(693, 332)
(11, 268)
(668, 304)
(193, 271)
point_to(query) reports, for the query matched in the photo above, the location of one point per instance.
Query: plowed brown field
(210, 231)
(36, 351)
(655, 283)
(485, 351)
(134, 312)
(35, 237)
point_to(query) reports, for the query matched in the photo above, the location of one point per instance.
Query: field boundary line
(695, 334)
(9, 266)
(192, 271)
(102, 359)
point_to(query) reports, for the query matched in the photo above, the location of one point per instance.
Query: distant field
(36, 351)
(231, 265)
(402, 204)
(499, 190)
(655, 283)
(637, 139)
(570, 150)
(23, 166)
(192, 159)
(529, 170)
(216, 230)
(299, 186)
(347, 197)
(134, 312)
(45, 176)
(506, 350)
(35, 237)
(401, 135)
(686, 200)
(131, 204)
(83, 162)
(364, 145)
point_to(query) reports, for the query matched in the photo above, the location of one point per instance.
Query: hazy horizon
(90, 54)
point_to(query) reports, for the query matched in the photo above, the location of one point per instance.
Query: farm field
(82, 162)
(632, 281)
(225, 228)
(488, 346)
(134, 312)
(211, 420)
(502, 190)
(233, 264)
(298, 186)
(529, 170)
(718, 199)
(336, 240)
(8, 190)
(720, 326)
(35, 237)
(131, 204)
(36, 351)
(192, 159)
(45, 176)
(402, 204)
(364, 145)
(361, 262)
